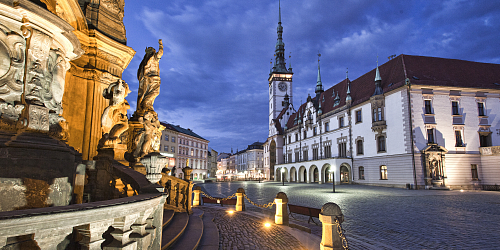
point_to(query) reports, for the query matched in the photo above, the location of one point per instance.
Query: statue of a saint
(148, 139)
(149, 79)
(114, 119)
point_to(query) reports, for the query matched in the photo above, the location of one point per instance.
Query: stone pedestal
(240, 203)
(330, 237)
(281, 216)
(92, 234)
(154, 163)
(187, 173)
(197, 197)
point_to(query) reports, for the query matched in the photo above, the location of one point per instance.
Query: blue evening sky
(217, 54)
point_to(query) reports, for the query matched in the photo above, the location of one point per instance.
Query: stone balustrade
(125, 223)
(179, 193)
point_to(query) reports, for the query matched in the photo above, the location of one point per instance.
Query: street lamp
(259, 176)
(333, 178)
(283, 175)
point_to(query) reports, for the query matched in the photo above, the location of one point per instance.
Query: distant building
(212, 163)
(192, 150)
(168, 143)
(250, 162)
(224, 171)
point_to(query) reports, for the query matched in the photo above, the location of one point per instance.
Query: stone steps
(190, 232)
(210, 238)
(173, 229)
(193, 233)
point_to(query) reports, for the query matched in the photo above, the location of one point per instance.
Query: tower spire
(378, 82)
(319, 84)
(279, 55)
(377, 73)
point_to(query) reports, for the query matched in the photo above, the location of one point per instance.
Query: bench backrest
(309, 211)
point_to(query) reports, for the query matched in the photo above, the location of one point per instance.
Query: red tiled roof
(421, 70)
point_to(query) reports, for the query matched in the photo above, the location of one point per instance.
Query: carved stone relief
(114, 121)
(12, 47)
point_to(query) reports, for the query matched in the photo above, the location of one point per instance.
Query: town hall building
(414, 121)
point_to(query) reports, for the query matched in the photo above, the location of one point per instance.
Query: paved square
(392, 218)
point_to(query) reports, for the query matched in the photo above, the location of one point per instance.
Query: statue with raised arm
(149, 80)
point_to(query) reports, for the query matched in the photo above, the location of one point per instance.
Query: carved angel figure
(149, 79)
(114, 119)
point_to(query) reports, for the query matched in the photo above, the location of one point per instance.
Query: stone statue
(114, 121)
(148, 139)
(149, 79)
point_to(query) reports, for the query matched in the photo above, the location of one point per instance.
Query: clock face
(282, 86)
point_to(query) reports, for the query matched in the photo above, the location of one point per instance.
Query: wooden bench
(308, 211)
(221, 202)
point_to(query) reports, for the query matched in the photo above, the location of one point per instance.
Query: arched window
(383, 172)
(361, 173)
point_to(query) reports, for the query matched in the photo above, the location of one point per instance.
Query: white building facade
(415, 122)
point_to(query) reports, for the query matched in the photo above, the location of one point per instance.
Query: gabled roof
(421, 70)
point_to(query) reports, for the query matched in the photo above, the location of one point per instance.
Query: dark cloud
(217, 52)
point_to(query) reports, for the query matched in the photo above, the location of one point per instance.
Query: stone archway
(272, 157)
(314, 174)
(293, 174)
(277, 177)
(196, 176)
(326, 175)
(302, 174)
(345, 173)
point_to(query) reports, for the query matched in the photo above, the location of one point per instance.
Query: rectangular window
(358, 116)
(289, 158)
(428, 107)
(166, 137)
(381, 144)
(361, 173)
(454, 108)
(173, 149)
(374, 115)
(327, 126)
(473, 170)
(305, 155)
(315, 154)
(485, 140)
(379, 114)
(328, 151)
(165, 148)
(305, 134)
(458, 139)
(341, 122)
(315, 130)
(383, 172)
(480, 109)
(296, 137)
(297, 159)
(430, 135)
(173, 138)
(359, 147)
(342, 149)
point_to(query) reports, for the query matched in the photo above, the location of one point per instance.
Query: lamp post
(259, 176)
(283, 175)
(333, 178)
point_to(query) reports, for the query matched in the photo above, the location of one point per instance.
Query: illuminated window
(173, 149)
(173, 138)
(166, 137)
(383, 172)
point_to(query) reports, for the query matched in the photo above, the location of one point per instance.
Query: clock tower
(280, 81)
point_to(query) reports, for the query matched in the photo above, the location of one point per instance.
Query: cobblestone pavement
(244, 231)
(390, 218)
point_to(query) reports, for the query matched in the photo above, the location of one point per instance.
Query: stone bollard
(330, 237)
(281, 217)
(240, 204)
(197, 196)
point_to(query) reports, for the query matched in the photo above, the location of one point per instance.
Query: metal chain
(268, 205)
(340, 231)
(221, 199)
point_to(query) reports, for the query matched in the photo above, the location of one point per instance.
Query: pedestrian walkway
(246, 230)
